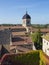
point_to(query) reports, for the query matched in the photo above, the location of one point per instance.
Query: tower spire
(26, 19)
(26, 11)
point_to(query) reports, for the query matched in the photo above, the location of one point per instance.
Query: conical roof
(26, 16)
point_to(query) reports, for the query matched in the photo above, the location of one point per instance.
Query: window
(44, 41)
(47, 43)
(23, 22)
(45, 50)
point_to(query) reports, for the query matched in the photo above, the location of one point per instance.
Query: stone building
(5, 41)
(26, 19)
(46, 44)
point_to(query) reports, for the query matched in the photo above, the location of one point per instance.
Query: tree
(36, 38)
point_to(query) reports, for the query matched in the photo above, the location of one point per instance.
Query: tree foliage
(36, 38)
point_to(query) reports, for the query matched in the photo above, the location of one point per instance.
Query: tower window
(28, 22)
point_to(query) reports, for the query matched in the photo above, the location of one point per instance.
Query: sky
(12, 11)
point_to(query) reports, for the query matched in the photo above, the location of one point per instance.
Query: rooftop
(26, 16)
(18, 33)
(46, 36)
(21, 40)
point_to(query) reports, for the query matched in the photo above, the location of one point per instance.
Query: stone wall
(5, 40)
(5, 36)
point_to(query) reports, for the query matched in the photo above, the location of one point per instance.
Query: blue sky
(12, 11)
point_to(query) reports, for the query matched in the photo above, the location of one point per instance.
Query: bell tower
(26, 20)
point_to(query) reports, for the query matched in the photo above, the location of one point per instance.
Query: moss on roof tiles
(46, 36)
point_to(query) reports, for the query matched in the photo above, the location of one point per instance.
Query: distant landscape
(33, 25)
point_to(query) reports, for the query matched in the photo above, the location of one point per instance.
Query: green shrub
(31, 58)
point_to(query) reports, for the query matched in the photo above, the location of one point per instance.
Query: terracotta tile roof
(44, 30)
(25, 40)
(18, 33)
(12, 47)
(12, 27)
(22, 49)
(20, 26)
